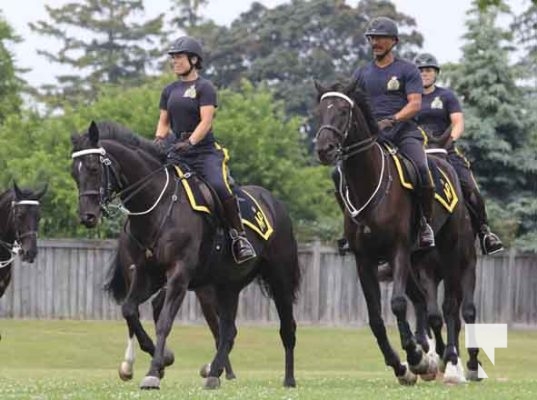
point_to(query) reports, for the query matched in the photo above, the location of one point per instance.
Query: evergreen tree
(102, 41)
(498, 133)
(10, 84)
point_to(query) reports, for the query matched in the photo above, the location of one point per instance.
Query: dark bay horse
(173, 244)
(383, 227)
(117, 285)
(19, 223)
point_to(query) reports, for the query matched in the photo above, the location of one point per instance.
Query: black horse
(118, 284)
(381, 225)
(19, 222)
(172, 243)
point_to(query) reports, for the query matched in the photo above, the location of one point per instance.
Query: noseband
(345, 152)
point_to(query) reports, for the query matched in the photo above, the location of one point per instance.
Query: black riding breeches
(210, 162)
(411, 142)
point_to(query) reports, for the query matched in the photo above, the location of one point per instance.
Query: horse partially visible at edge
(20, 213)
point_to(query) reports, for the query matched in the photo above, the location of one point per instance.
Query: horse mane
(361, 100)
(110, 130)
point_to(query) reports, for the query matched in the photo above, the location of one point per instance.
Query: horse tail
(115, 281)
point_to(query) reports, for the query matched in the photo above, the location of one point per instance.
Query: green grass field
(79, 360)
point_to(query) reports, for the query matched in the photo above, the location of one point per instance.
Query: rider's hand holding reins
(183, 146)
(386, 123)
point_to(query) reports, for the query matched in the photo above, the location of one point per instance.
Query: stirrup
(241, 248)
(490, 243)
(425, 236)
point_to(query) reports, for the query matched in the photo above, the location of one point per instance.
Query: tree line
(264, 64)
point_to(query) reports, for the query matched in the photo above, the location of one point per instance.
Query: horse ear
(93, 133)
(351, 87)
(320, 88)
(42, 192)
(18, 193)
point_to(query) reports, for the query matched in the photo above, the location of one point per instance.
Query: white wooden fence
(67, 278)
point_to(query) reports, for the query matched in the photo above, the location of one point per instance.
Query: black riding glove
(386, 123)
(182, 147)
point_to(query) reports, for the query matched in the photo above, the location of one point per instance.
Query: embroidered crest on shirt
(393, 83)
(190, 92)
(437, 103)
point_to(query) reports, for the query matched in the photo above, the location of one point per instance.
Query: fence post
(315, 280)
(511, 270)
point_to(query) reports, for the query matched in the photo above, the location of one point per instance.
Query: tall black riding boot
(241, 248)
(425, 232)
(490, 243)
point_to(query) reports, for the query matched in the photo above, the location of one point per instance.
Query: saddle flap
(203, 199)
(444, 188)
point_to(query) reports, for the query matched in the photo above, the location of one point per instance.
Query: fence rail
(66, 282)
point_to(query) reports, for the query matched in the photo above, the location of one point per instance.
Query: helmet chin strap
(381, 56)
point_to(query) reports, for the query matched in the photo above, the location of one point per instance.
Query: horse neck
(134, 166)
(363, 170)
(7, 230)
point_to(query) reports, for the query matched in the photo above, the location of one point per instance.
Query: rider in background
(441, 110)
(394, 89)
(187, 108)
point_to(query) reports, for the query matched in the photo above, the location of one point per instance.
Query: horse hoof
(150, 382)
(289, 383)
(125, 371)
(204, 370)
(454, 374)
(169, 358)
(422, 367)
(161, 373)
(473, 375)
(230, 376)
(212, 382)
(432, 370)
(408, 378)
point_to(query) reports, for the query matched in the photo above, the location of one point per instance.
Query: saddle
(202, 198)
(445, 192)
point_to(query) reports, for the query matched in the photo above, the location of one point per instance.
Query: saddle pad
(445, 192)
(252, 214)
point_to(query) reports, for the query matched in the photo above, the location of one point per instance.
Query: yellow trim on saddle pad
(261, 219)
(191, 199)
(263, 228)
(451, 198)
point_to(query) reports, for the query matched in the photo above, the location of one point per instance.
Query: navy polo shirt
(436, 108)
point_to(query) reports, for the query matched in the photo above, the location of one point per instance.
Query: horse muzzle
(89, 220)
(328, 155)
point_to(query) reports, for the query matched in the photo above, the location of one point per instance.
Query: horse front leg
(139, 291)
(207, 300)
(227, 300)
(454, 372)
(371, 288)
(176, 288)
(469, 315)
(416, 358)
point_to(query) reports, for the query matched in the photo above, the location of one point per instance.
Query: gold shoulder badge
(437, 103)
(191, 92)
(393, 83)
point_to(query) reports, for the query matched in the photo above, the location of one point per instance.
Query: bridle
(107, 193)
(346, 152)
(16, 247)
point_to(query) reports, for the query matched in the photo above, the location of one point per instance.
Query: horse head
(87, 171)
(107, 159)
(345, 122)
(26, 215)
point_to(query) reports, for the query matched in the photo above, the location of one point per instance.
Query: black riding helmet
(187, 45)
(382, 26)
(426, 60)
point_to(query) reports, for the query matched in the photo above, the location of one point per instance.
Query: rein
(344, 153)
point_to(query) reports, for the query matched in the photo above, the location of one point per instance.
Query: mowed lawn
(79, 360)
